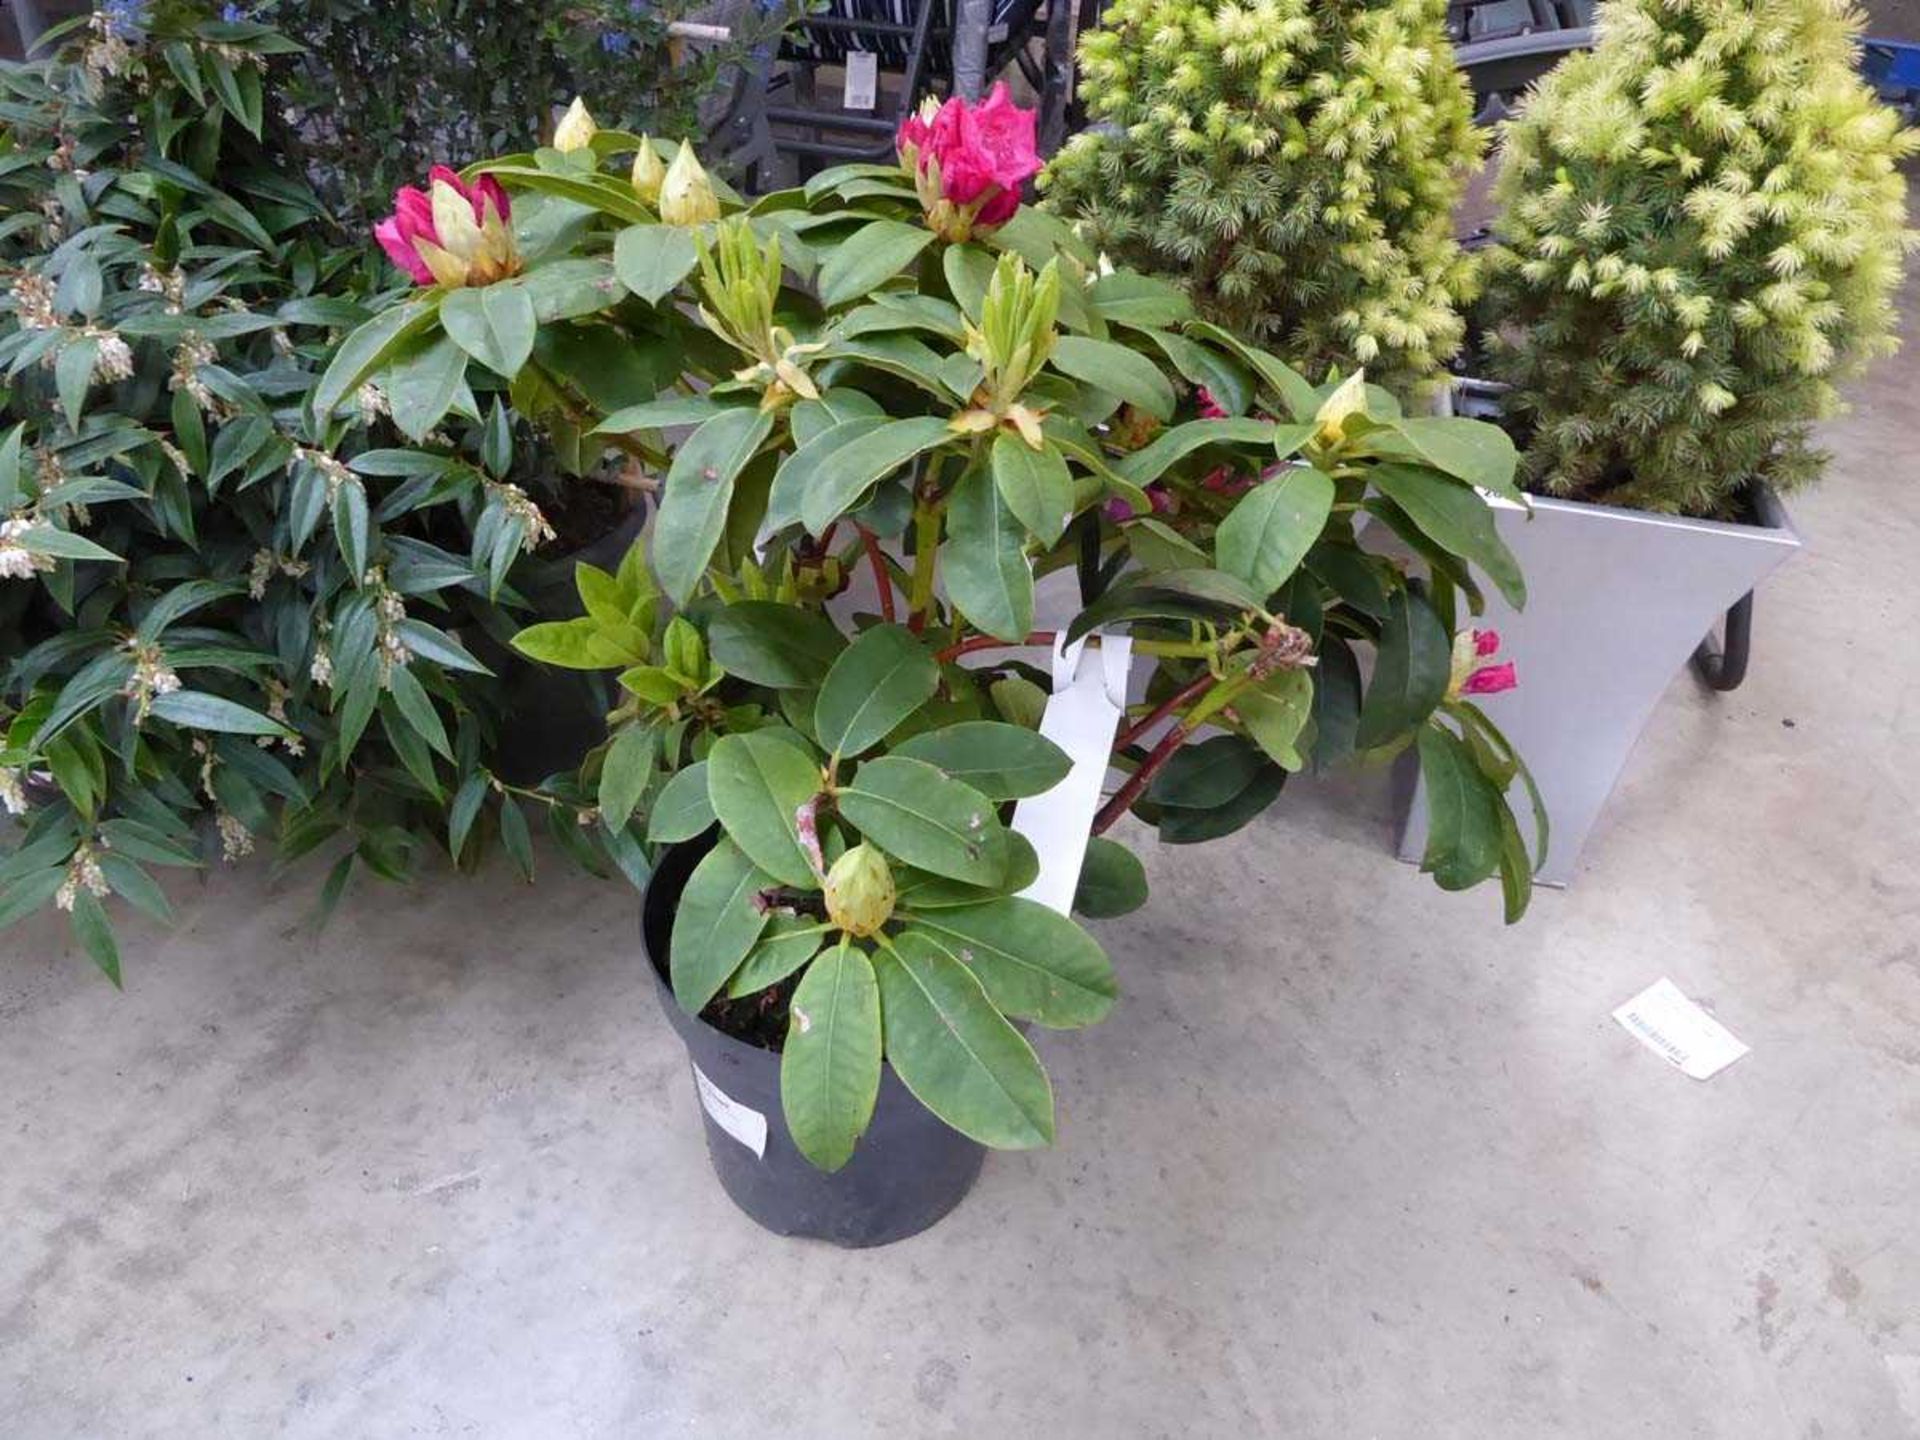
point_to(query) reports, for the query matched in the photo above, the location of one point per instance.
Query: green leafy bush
(382, 89)
(1294, 165)
(902, 375)
(1701, 231)
(215, 604)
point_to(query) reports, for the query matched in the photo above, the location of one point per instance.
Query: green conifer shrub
(1702, 226)
(1294, 164)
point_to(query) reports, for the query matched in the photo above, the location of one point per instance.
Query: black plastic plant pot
(909, 1170)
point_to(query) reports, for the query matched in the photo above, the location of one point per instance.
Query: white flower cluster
(13, 790)
(113, 360)
(389, 610)
(83, 873)
(519, 506)
(193, 352)
(170, 283)
(333, 471)
(235, 839)
(372, 401)
(32, 297)
(16, 561)
(265, 563)
(151, 676)
(277, 693)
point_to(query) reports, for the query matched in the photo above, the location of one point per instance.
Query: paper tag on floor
(742, 1122)
(1089, 697)
(1679, 1031)
(863, 81)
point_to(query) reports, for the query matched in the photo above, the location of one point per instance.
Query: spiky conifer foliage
(1702, 228)
(1295, 163)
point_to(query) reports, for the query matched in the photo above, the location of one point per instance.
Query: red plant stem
(880, 576)
(987, 642)
(1124, 797)
(1160, 712)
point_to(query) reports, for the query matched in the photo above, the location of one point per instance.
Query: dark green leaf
(916, 814)
(494, 324)
(90, 923)
(1409, 674)
(718, 921)
(1273, 526)
(830, 1065)
(1035, 963)
(877, 682)
(780, 646)
(1168, 595)
(693, 511)
(1116, 369)
(757, 784)
(955, 1052)
(682, 809)
(1112, 881)
(868, 258)
(198, 710)
(1002, 762)
(1454, 517)
(985, 565)
(651, 259)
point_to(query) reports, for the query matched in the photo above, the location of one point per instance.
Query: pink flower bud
(1490, 680)
(1486, 642)
(981, 153)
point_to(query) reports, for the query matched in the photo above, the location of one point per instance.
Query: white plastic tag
(743, 1123)
(1088, 701)
(1679, 1031)
(863, 81)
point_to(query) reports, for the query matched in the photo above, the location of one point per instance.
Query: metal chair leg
(1723, 665)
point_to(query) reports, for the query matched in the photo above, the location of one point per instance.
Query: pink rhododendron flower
(1491, 680)
(969, 161)
(1485, 642)
(451, 234)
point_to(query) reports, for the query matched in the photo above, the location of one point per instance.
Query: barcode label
(863, 81)
(1679, 1031)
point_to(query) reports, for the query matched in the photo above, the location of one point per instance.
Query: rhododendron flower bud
(1491, 680)
(649, 172)
(686, 194)
(576, 128)
(969, 161)
(1466, 678)
(859, 891)
(1349, 398)
(453, 233)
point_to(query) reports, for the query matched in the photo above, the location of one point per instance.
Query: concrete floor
(1349, 1161)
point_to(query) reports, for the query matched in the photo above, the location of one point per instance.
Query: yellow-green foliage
(1702, 228)
(1294, 162)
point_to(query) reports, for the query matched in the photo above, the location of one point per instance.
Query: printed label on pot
(743, 1123)
(1679, 1031)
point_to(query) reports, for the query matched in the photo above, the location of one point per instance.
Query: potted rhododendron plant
(901, 401)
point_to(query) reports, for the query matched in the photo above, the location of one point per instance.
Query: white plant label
(742, 1122)
(863, 81)
(1089, 698)
(1679, 1031)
